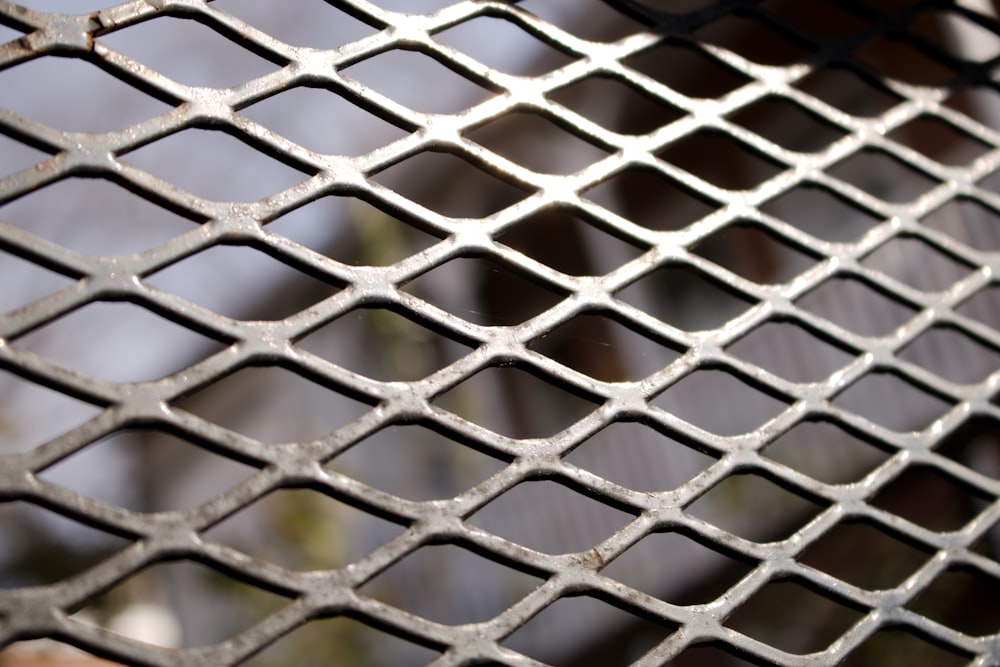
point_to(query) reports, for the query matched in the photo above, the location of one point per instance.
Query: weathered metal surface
(37, 612)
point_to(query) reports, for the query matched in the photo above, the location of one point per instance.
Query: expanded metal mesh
(695, 182)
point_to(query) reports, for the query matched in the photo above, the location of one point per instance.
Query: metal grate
(733, 206)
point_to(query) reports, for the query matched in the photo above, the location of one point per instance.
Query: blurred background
(149, 470)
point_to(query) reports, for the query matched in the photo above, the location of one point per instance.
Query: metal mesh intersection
(664, 244)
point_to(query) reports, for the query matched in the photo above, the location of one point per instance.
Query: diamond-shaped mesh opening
(544, 636)
(749, 406)
(91, 100)
(976, 445)
(707, 654)
(979, 42)
(754, 508)
(649, 199)
(685, 298)
(991, 183)
(655, 378)
(410, 351)
(569, 152)
(864, 555)
(7, 33)
(755, 40)
(604, 23)
(15, 156)
(898, 647)
(902, 407)
(568, 241)
(721, 160)
(882, 176)
(754, 254)
(605, 348)
(484, 291)
(639, 457)
(679, 66)
(413, 6)
(315, 23)
(930, 498)
(95, 217)
(32, 282)
(939, 141)
(963, 599)
(352, 231)
(41, 547)
(968, 360)
(313, 523)
(34, 414)
(975, 101)
(160, 589)
(967, 221)
(550, 517)
(86, 342)
(41, 651)
(900, 59)
(857, 307)
(820, 212)
(251, 400)
(423, 73)
(214, 165)
(678, 8)
(989, 544)
(826, 452)
(917, 264)
(787, 124)
(469, 585)
(207, 59)
(822, 18)
(510, 49)
(66, 5)
(302, 115)
(516, 403)
(242, 282)
(634, 112)
(341, 639)
(793, 618)
(849, 91)
(483, 193)
(135, 469)
(431, 465)
(642, 568)
(790, 351)
(983, 306)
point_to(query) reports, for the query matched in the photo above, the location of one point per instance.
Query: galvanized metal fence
(804, 196)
